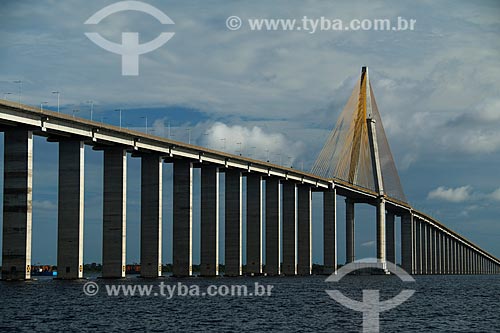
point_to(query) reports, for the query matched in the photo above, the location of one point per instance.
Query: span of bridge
(427, 246)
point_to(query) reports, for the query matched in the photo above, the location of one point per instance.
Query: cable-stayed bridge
(356, 163)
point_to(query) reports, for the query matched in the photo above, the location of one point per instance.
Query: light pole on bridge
(42, 104)
(146, 117)
(91, 109)
(120, 111)
(20, 83)
(58, 97)
(5, 95)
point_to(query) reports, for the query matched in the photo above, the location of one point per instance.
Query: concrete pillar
(182, 218)
(272, 226)
(418, 247)
(406, 243)
(254, 223)
(209, 259)
(424, 227)
(151, 215)
(17, 204)
(289, 228)
(329, 231)
(437, 252)
(445, 254)
(451, 268)
(233, 223)
(390, 237)
(430, 250)
(304, 249)
(449, 255)
(70, 210)
(460, 259)
(349, 230)
(114, 213)
(381, 231)
(427, 248)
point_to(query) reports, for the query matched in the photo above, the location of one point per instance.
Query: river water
(440, 304)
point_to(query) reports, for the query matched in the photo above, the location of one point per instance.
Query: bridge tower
(357, 152)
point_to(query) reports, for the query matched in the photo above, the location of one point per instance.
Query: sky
(271, 95)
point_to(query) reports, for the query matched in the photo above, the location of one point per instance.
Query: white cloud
(495, 195)
(458, 194)
(368, 244)
(253, 141)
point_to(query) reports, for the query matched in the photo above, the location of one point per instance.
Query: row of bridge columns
(438, 252)
(295, 198)
(425, 250)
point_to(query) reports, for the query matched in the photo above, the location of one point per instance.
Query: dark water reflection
(440, 304)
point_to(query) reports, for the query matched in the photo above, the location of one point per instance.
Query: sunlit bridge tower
(357, 152)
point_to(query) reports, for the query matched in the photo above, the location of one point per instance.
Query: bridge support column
(390, 237)
(460, 259)
(289, 228)
(209, 259)
(437, 252)
(233, 223)
(407, 243)
(151, 215)
(418, 246)
(445, 255)
(254, 223)
(70, 210)
(429, 247)
(182, 218)
(272, 226)
(349, 230)
(114, 213)
(304, 230)
(17, 204)
(381, 231)
(330, 231)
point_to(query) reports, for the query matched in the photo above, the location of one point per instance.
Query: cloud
(368, 244)
(254, 142)
(458, 194)
(495, 195)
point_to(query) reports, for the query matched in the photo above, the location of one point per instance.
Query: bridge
(356, 163)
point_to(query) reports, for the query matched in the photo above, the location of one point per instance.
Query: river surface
(295, 304)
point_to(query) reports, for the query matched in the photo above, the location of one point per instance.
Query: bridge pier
(272, 226)
(289, 228)
(418, 246)
(209, 259)
(329, 231)
(151, 215)
(182, 218)
(437, 252)
(390, 237)
(349, 230)
(304, 248)
(114, 213)
(70, 210)
(254, 223)
(233, 223)
(381, 240)
(407, 254)
(17, 204)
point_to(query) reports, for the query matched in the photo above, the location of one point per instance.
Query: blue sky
(436, 87)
